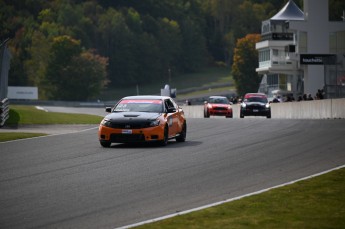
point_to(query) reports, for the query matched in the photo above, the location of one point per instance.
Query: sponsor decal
(154, 101)
(127, 131)
(318, 59)
(257, 96)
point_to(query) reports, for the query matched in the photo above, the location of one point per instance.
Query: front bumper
(214, 112)
(255, 111)
(114, 135)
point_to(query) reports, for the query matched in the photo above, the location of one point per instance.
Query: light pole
(169, 72)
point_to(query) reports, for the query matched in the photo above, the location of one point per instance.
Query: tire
(165, 140)
(228, 116)
(241, 115)
(183, 134)
(105, 144)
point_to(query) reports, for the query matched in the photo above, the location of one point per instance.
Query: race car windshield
(219, 100)
(256, 99)
(152, 106)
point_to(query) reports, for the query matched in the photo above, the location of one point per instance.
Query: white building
(302, 51)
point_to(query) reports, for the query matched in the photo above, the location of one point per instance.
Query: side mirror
(108, 109)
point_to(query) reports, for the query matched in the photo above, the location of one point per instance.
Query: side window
(169, 104)
(174, 104)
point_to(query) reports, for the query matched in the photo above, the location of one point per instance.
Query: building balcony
(271, 44)
(278, 65)
(277, 37)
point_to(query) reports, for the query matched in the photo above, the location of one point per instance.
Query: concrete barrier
(197, 111)
(316, 109)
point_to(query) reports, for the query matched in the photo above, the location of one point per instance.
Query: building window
(264, 55)
(275, 52)
(272, 79)
(337, 42)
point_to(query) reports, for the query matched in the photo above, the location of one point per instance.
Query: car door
(172, 117)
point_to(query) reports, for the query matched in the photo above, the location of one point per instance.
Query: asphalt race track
(70, 181)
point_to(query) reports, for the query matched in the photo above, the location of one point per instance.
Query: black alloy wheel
(183, 134)
(105, 144)
(165, 140)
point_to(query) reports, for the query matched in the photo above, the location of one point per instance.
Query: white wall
(316, 109)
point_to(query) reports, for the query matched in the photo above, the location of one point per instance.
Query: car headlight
(106, 122)
(155, 123)
(267, 105)
(244, 105)
(209, 106)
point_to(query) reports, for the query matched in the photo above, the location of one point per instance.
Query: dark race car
(255, 104)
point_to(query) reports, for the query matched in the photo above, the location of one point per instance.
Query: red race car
(217, 106)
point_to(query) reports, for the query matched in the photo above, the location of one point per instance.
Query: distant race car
(137, 119)
(255, 104)
(217, 106)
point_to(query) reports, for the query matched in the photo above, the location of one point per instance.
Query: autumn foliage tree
(244, 64)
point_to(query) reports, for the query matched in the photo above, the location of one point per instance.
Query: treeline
(77, 47)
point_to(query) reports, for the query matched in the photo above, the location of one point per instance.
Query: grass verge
(4, 137)
(315, 203)
(30, 115)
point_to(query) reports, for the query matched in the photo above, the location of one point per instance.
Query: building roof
(289, 12)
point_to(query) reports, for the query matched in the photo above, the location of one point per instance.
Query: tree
(244, 65)
(35, 67)
(170, 41)
(118, 46)
(193, 45)
(73, 74)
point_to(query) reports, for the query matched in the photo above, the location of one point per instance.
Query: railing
(4, 111)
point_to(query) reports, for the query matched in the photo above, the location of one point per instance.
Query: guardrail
(4, 111)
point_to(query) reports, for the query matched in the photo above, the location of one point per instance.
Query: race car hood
(137, 116)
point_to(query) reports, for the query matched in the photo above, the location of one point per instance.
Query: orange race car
(137, 119)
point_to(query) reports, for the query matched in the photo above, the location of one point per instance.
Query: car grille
(130, 125)
(257, 107)
(123, 138)
(220, 108)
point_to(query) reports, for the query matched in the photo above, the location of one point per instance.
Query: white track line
(228, 200)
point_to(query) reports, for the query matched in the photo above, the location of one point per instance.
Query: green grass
(315, 203)
(209, 77)
(9, 136)
(30, 115)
